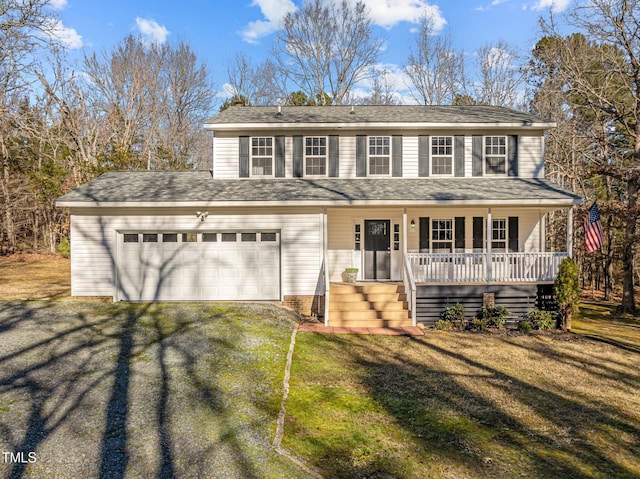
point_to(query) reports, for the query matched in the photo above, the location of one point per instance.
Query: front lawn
(465, 405)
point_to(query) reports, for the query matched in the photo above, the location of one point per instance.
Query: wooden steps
(368, 305)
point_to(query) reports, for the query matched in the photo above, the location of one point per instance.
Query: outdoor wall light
(202, 215)
(413, 225)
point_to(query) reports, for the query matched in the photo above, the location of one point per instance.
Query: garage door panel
(173, 268)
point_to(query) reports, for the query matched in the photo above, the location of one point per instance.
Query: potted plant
(351, 274)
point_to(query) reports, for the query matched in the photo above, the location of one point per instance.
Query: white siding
(468, 156)
(410, 156)
(226, 151)
(530, 156)
(94, 252)
(347, 157)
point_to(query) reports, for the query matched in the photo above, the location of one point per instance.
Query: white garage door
(169, 266)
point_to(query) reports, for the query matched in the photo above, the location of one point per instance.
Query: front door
(377, 249)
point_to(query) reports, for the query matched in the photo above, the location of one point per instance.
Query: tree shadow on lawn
(111, 382)
(455, 420)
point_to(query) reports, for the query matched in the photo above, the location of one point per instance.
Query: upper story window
(262, 156)
(379, 155)
(442, 155)
(315, 156)
(495, 155)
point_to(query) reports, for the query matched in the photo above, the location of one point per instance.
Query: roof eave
(378, 125)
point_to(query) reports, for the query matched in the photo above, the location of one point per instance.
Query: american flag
(592, 230)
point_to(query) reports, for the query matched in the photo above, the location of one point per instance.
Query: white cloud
(274, 11)
(555, 5)
(152, 31)
(65, 35)
(391, 12)
(57, 4)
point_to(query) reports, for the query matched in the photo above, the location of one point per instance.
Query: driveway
(93, 390)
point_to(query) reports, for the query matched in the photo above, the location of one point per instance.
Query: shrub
(454, 314)
(478, 324)
(566, 292)
(64, 248)
(539, 319)
(443, 325)
(495, 316)
(524, 326)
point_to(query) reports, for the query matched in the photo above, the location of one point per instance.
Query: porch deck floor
(322, 329)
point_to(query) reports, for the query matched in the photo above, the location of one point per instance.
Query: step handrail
(410, 286)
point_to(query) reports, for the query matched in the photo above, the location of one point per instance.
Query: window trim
(325, 156)
(251, 156)
(451, 156)
(504, 240)
(389, 156)
(433, 240)
(485, 164)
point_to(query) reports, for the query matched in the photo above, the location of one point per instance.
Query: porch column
(325, 248)
(543, 232)
(570, 232)
(489, 238)
(404, 233)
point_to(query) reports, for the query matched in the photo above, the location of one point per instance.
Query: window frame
(504, 238)
(486, 156)
(388, 156)
(307, 156)
(450, 155)
(450, 230)
(261, 156)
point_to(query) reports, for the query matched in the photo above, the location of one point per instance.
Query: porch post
(543, 232)
(570, 232)
(404, 233)
(489, 238)
(327, 284)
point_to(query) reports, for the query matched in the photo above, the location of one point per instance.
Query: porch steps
(368, 305)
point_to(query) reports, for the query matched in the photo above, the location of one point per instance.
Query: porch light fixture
(413, 225)
(202, 215)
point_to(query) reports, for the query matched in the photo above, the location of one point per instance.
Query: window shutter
(298, 159)
(512, 152)
(478, 167)
(424, 234)
(244, 157)
(423, 155)
(334, 156)
(361, 155)
(458, 156)
(396, 151)
(279, 156)
(459, 232)
(478, 232)
(513, 234)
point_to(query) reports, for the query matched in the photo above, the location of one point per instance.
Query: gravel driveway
(185, 390)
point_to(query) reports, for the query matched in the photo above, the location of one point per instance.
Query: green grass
(464, 405)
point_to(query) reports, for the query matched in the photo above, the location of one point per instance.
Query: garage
(198, 266)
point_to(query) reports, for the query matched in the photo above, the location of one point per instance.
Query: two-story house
(432, 204)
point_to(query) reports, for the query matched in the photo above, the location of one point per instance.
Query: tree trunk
(628, 304)
(10, 234)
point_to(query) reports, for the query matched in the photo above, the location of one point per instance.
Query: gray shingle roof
(374, 114)
(170, 187)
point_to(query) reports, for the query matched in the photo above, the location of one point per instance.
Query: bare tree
(254, 84)
(382, 91)
(435, 69)
(500, 77)
(326, 47)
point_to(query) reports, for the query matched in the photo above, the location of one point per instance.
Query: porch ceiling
(187, 188)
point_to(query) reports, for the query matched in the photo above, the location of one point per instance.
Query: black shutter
(424, 234)
(478, 232)
(396, 151)
(423, 155)
(279, 150)
(244, 157)
(458, 155)
(361, 155)
(459, 232)
(513, 234)
(334, 156)
(478, 167)
(512, 154)
(298, 158)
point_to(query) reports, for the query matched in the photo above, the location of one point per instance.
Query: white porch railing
(472, 267)
(410, 288)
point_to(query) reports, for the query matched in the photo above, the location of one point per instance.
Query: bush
(524, 326)
(539, 319)
(455, 315)
(64, 248)
(478, 324)
(443, 325)
(566, 292)
(495, 316)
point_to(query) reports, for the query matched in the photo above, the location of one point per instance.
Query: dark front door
(377, 249)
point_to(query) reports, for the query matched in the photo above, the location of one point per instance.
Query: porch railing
(410, 288)
(473, 267)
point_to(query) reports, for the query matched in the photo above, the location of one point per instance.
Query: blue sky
(217, 29)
